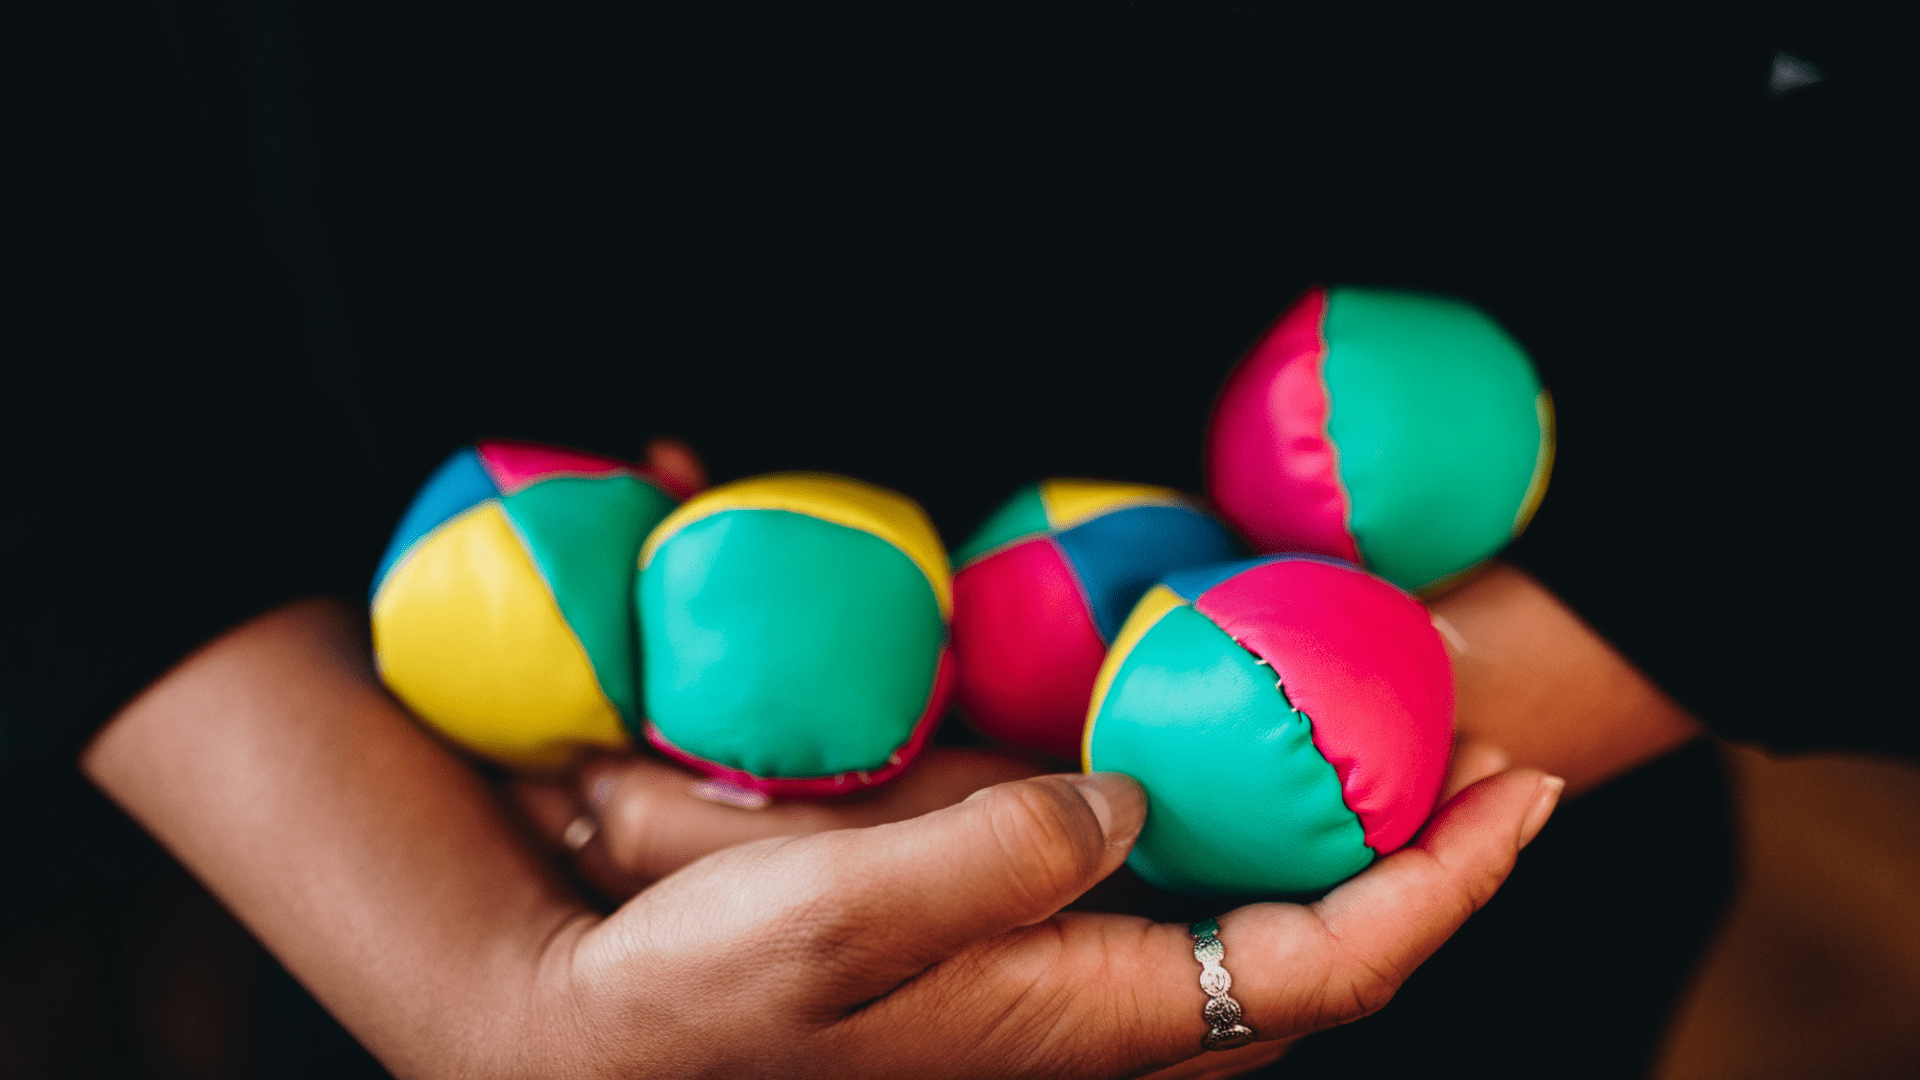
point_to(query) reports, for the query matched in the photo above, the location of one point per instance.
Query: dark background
(269, 262)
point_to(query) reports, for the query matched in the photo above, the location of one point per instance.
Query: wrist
(587, 1011)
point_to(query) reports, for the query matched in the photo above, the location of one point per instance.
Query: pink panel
(1271, 467)
(1026, 647)
(816, 787)
(1363, 661)
(515, 465)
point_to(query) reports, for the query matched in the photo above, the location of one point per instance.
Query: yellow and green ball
(794, 630)
(502, 615)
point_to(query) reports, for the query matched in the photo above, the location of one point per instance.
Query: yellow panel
(1150, 610)
(1542, 464)
(856, 504)
(1070, 502)
(468, 636)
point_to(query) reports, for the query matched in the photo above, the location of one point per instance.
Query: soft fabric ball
(795, 633)
(1404, 432)
(1041, 589)
(1290, 718)
(502, 610)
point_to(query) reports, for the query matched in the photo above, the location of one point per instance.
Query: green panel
(1239, 799)
(1022, 515)
(1432, 408)
(785, 645)
(585, 536)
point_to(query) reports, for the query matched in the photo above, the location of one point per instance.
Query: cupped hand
(936, 946)
(627, 821)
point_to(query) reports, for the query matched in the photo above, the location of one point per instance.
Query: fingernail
(719, 791)
(1118, 803)
(602, 792)
(579, 832)
(1543, 804)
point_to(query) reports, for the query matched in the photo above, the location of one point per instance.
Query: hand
(1532, 678)
(648, 819)
(936, 946)
(378, 867)
(628, 821)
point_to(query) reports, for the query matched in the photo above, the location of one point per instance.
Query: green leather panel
(1432, 409)
(785, 645)
(584, 536)
(1022, 515)
(1239, 800)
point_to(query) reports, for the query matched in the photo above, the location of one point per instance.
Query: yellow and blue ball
(502, 609)
(1041, 589)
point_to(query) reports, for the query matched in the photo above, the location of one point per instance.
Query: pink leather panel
(1026, 646)
(815, 787)
(515, 465)
(1363, 661)
(1271, 467)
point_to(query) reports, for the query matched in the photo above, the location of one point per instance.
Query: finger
(553, 811)
(1473, 761)
(573, 830)
(676, 466)
(1377, 928)
(1124, 993)
(655, 819)
(1009, 856)
(650, 819)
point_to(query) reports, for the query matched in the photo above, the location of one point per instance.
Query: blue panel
(1189, 584)
(458, 484)
(1120, 555)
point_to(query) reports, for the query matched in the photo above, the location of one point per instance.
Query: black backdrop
(951, 251)
(274, 259)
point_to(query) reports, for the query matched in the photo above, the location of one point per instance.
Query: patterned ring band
(1222, 1013)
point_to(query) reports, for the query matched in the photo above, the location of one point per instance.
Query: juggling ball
(1404, 432)
(502, 610)
(794, 628)
(1290, 718)
(1041, 589)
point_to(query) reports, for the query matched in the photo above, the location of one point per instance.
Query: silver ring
(1222, 1013)
(580, 832)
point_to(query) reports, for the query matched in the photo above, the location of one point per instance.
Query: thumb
(1010, 855)
(1117, 995)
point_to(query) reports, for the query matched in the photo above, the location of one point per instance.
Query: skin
(1534, 685)
(915, 932)
(409, 898)
(1541, 685)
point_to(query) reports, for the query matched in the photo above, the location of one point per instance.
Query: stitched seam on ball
(1079, 586)
(932, 586)
(553, 597)
(894, 764)
(414, 548)
(1006, 545)
(1313, 733)
(1326, 423)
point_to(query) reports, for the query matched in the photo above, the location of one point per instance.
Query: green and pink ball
(1403, 432)
(1289, 716)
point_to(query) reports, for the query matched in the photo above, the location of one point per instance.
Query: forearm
(378, 867)
(1543, 686)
